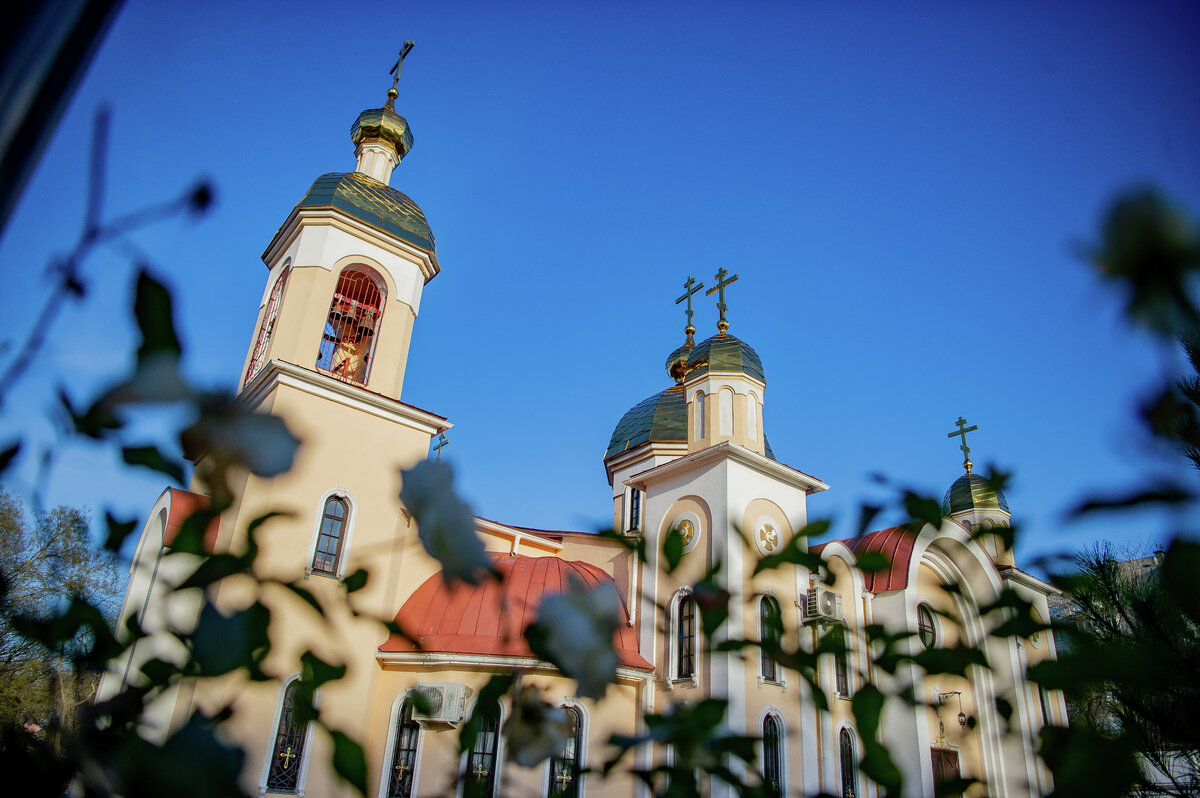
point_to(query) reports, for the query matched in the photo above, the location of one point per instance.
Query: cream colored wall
(692, 568)
(965, 740)
(739, 386)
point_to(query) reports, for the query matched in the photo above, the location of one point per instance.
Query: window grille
(330, 536)
(348, 343)
(849, 767)
(772, 757)
(404, 755)
(479, 781)
(635, 509)
(926, 626)
(685, 641)
(267, 327)
(770, 631)
(287, 754)
(564, 768)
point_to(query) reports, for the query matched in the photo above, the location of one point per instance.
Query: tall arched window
(725, 412)
(287, 755)
(404, 754)
(330, 536)
(352, 326)
(483, 762)
(772, 756)
(258, 358)
(849, 765)
(751, 417)
(685, 637)
(770, 632)
(565, 768)
(699, 415)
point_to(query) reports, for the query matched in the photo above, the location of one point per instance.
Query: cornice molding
(728, 450)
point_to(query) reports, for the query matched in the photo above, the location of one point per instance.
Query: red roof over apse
(490, 618)
(896, 544)
(183, 504)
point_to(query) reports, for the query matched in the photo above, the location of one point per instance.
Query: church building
(346, 271)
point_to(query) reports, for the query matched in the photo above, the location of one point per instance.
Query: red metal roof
(490, 618)
(183, 504)
(896, 544)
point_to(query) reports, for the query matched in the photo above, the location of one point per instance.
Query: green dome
(677, 360)
(724, 352)
(386, 124)
(972, 492)
(374, 203)
(662, 417)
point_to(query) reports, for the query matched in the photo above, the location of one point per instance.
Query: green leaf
(95, 422)
(1167, 495)
(150, 457)
(673, 549)
(349, 761)
(118, 531)
(223, 643)
(7, 455)
(486, 706)
(795, 550)
(214, 568)
(355, 581)
(1179, 570)
(872, 562)
(305, 595)
(316, 671)
(923, 508)
(866, 515)
(152, 309)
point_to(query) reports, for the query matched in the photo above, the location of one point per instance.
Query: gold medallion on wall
(689, 529)
(767, 536)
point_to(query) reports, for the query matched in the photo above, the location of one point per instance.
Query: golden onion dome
(385, 125)
(677, 360)
(724, 353)
(973, 492)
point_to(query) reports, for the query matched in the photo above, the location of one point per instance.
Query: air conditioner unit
(822, 606)
(440, 702)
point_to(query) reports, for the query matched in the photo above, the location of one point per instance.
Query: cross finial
(437, 447)
(395, 70)
(722, 324)
(689, 288)
(962, 431)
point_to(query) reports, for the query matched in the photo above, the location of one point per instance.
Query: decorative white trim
(784, 759)
(347, 533)
(516, 536)
(305, 755)
(733, 451)
(389, 751)
(281, 373)
(580, 750)
(300, 218)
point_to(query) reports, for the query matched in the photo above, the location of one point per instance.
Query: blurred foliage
(1144, 671)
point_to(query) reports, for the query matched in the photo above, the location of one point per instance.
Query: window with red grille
(348, 343)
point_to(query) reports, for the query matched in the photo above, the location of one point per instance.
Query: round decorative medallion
(689, 529)
(767, 536)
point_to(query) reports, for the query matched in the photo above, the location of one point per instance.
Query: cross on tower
(722, 324)
(689, 288)
(437, 447)
(963, 429)
(395, 70)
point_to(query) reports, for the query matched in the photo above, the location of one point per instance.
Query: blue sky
(903, 188)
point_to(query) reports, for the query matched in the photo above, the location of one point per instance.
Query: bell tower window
(268, 326)
(348, 342)
(329, 538)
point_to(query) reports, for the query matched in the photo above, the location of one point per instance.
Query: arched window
(352, 326)
(772, 760)
(404, 754)
(841, 669)
(635, 509)
(328, 553)
(926, 626)
(849, 764)
(483, 761)
(699, 415)
(751, 417)
(725, 411)
(770, 632)
(685, 637)
(565, 769)
(258, 358)
(287, 755)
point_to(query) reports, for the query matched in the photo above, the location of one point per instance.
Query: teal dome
(661, 418)
(972, 492)
(724, 352)
(374, 203)
(677, 360)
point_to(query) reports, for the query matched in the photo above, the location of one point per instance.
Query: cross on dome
(689, 288)
(722, 324)
(393, 93)
(963, 429)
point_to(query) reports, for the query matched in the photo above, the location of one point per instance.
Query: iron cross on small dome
(689, 288)
(962, 431)
(395, 70)
(722, 283)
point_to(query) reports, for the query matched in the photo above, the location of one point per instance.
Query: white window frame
(580, 751)
(856, 747)
(390, 750)
(305, 755)
(937, 626)
(673, 675)
(500, 746)
(347, 534)
(771, 709)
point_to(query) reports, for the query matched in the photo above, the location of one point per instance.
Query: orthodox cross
(963, 429)
(395, 70)
(722, 324)
(689, 288)
(287, 757)
(437, 447)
